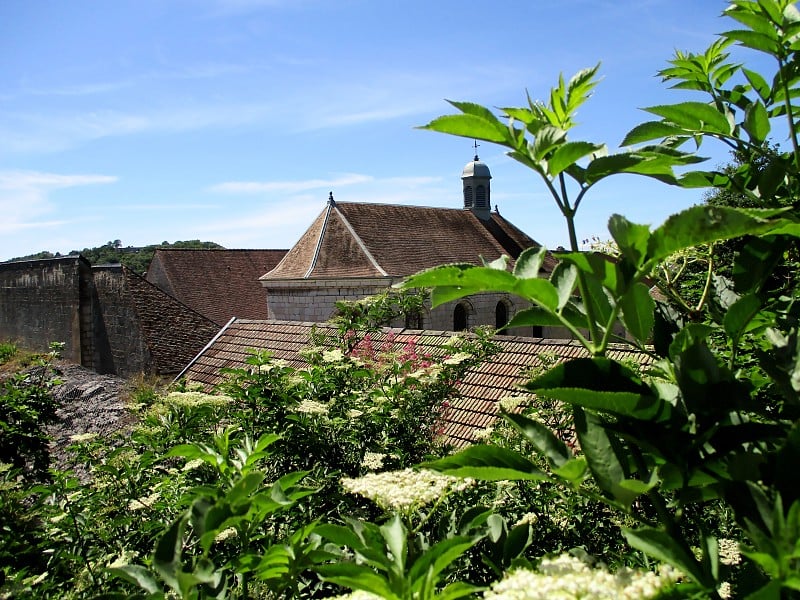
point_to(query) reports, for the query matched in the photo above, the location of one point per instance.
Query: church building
(353, 250)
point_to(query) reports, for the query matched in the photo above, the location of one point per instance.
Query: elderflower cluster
(332, 356)
(144, 503)
(566, 577)
(729, 553)
(80, 438)
(193, 464)
(196, 399)
(509, 403)
(373, 460)
(312, 407)
(457, 358)
(226, 534)
(406, 489)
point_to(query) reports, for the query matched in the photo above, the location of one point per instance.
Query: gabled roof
(219, 284)
(351, 239)
(480, 389)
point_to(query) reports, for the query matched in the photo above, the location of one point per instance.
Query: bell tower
(475, 181)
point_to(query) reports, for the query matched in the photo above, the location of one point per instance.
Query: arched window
(468, 196)
(460, 318)
(501, 317)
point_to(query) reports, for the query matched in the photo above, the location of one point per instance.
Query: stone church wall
(315, 301)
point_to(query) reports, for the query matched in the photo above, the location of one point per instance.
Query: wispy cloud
(288, 187)
(25, 197)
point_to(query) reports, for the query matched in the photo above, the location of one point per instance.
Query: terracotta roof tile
(374, 240)
(218, 284)
(475, 406)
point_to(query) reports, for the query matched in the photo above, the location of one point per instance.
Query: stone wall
(315, 301)
(111, 320)
(43, 301)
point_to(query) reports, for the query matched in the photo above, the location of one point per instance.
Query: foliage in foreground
(716, 418)
(243, 495)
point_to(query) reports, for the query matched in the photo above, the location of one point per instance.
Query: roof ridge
(319, 241)
(360, 243)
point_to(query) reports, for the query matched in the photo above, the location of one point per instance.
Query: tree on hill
(135, 258)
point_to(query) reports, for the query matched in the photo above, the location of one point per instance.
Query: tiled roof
(476, 407)
(174, 333)
(219, 284)
(375, 240)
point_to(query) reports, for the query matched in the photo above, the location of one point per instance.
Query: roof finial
(330, 198)
(475, 145)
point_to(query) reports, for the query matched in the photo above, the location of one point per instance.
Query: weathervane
(475, 145)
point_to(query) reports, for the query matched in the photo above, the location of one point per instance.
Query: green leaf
(469, 126)
(563, 278)
(488, 463)
(638, 309)
(458, 589)
(739, 315)
(573, 470)
(660, 545)
(703, 224)
(394, 533)
(651, 130)
(167, 555)
(137, 575)
(529, 263)
(756, 122)
(437, 558)
(694, 117)
(754, 40)
(569, 153)
(631, 238)
(604, 455)
(759, 84)
(357, 577)
(542, 438)
(601, 267)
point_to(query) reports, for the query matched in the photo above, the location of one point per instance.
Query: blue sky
(231, 120)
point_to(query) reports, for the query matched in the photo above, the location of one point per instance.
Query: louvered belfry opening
(480, 197)
(468, 196)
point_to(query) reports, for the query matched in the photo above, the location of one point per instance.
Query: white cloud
(288, 187)
(25, 197)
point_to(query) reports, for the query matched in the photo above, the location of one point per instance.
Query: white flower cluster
(195, 399)
(226, 534)
(373, 460)
(80, 438)
(527, 519)
(144, 503)
(729, 553)
(332, 356)
(566, 578)
(406, 489)
(509, 403)
(457, 358)
(312, 407)
(193, 464)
